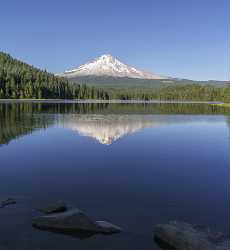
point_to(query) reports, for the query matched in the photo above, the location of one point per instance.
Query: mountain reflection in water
(107, 129)
(104, 122)
(157, 163)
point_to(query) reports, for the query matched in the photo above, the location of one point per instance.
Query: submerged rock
(183, 236)
(54, 208)
(7, 202)
(74, 222)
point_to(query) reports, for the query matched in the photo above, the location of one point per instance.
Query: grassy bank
(224, 105)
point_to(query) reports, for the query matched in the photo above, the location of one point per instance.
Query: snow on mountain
(107, 65)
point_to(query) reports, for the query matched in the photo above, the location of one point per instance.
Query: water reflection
(173, 155)
(107, 129)
(18, 120)
(104, 122)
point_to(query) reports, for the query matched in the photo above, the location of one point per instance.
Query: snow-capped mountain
(107, 65)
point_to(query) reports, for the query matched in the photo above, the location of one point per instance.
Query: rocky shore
(175, 235)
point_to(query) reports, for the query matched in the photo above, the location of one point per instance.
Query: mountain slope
(19, 80)
(108, 72)
(107, 65)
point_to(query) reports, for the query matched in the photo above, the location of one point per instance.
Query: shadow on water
(82, 235)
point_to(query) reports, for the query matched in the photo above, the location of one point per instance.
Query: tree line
(19, 80)
(193, 92)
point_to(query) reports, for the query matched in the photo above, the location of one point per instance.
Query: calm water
(134, 165)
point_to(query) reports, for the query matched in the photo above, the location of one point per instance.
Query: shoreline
(224, 105)
(90, 101)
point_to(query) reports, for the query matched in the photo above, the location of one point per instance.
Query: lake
(135, 165)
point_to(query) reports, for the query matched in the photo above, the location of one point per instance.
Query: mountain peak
(106, 56)
(107, 65)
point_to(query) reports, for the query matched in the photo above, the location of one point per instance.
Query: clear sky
(179, 38)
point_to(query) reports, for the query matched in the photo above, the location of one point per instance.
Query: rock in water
(72, 222)
(107, 227)
(7, 202)
(184, 236)
(54, 208)
(73, 219)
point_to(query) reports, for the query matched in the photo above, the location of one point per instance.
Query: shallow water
(135, 165)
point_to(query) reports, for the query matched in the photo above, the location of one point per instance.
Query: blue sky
(180, 38)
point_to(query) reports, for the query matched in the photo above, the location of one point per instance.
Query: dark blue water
(133, 165)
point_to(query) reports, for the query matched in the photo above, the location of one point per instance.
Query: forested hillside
(192, 92)
(125, 82)
(19, 80)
